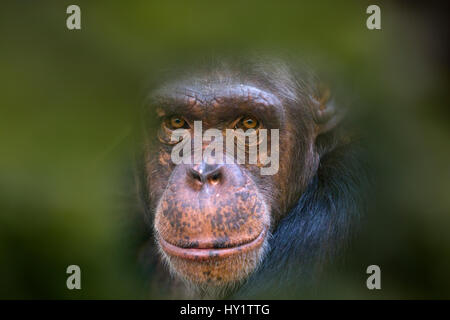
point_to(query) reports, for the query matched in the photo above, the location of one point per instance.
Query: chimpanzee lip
(211, 253)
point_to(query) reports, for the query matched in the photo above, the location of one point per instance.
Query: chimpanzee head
(212, 219)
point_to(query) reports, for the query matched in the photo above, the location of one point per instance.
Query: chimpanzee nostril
(195, 175)
(206, 174)
(215, 177)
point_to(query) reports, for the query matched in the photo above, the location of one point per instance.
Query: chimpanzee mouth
(211, 252)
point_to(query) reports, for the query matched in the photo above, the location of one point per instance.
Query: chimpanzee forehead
(217, 99)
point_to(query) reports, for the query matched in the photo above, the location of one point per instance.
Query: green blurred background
(70, 103)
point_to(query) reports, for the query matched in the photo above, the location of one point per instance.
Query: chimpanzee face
(212, 218)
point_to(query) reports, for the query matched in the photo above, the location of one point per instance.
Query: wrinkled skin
(212, 221)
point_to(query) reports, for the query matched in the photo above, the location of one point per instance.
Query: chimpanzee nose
(206, 173)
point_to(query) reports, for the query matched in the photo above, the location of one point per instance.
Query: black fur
(314, 231)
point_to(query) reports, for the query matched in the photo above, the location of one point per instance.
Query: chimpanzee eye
(176, 122)
(248, 123)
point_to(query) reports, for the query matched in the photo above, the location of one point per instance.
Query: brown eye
(177, 122)
(249, 123)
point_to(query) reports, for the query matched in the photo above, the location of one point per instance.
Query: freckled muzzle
(212, 231)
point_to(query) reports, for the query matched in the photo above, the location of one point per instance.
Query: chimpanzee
(224, 229)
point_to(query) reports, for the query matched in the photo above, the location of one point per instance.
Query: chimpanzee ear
(325, 113)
